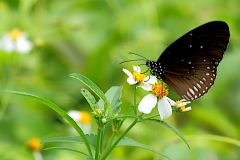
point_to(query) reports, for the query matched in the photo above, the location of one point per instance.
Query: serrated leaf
(133, 143)
(90, 98)
(113, 96)
(58, 110)
(71, 139)
(94, 88)
(176, 131)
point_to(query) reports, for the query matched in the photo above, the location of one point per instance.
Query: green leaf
(133, 143)
(216, 138)
(71, 139)
(60, 111)
(176, 131)
(113, 96)
(94, 88)
(90, 98)
(64, 148)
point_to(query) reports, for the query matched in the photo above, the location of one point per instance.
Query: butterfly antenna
(138, 55)
(144, 64)
(147, 79)
(131, 60)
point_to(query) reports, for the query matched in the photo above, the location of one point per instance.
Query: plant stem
(110, 140)
(152, 116)
(118, 140)
(135, 100)
(122, 117)
(99, 143)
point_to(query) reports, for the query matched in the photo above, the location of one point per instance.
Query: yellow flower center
(138, 76)
(159, 90)
(15, 34)
(85, 118)
(34, 144)
(180, 108)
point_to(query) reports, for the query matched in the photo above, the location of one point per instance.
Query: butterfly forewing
(190, 63)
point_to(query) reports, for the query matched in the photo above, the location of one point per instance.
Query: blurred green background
(91, 37)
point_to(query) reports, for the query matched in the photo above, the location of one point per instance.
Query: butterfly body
(189, 65)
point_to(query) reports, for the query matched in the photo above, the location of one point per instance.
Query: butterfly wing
(190, 63)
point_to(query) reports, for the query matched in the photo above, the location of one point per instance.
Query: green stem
(118, 140)
(152, 116)
(123, 117)
(109, 143)
(99, 142)
(135, 100)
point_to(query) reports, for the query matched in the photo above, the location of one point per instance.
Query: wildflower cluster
(158, 94)
(16, 41)
(108, 119)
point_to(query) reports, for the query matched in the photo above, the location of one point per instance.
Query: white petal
(37, 155)
(23, 45)
(150, 79)
(183, 103)
(147, 103)
(137, 69)
(130, 80)
(172, 102)
(164, 108)
(75, 115)
(146, 86)
(7, 44)
(187, 109)
(128, 73)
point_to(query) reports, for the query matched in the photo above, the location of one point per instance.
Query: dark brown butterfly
(189, 65)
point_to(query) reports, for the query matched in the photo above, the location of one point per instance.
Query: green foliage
(113, 96)
(92, 37)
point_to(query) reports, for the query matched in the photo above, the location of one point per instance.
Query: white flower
(82, 118)
(35, 146)
(181, 105)
(157, 97)
(17, 41)
(140, 79)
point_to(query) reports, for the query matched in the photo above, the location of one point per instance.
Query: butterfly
(189, 65)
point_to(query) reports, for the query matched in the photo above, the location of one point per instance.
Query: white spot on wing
(192, 91)
(188, 94)
(195, 88)
(199, 86)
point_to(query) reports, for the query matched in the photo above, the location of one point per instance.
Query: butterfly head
(155, 68)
